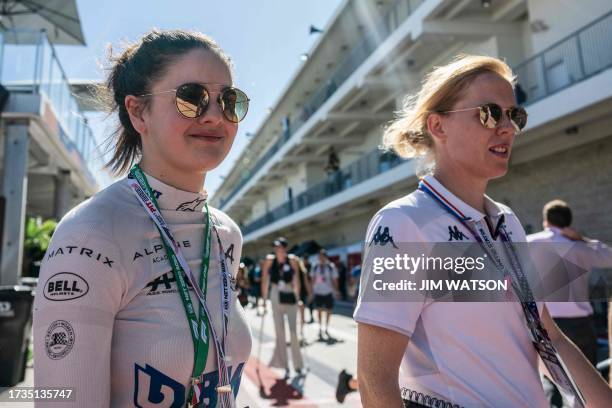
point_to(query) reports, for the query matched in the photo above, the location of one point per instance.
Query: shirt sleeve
(389, 233)
(599, 254)
(80, 290)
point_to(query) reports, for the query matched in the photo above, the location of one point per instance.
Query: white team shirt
(322, 275)
(584, 255)
(108, 319)
(471, 354)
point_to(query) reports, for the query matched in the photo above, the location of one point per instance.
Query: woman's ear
(435, 127)
(135, 108)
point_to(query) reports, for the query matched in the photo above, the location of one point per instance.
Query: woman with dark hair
(416, 351)
(138, 307)
(280, 280)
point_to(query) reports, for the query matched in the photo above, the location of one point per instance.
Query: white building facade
(372, 54)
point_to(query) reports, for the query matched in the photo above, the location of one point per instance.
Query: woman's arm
(74, 314)
(379, 354)
(594, 389)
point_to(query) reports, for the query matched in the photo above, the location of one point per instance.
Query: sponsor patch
(455, 234)
(382, 237)
(79, 251)
(59, 339)
(192, 206)
(65, 286)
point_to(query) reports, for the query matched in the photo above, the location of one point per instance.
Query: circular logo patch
(65, 286)
(59, 339)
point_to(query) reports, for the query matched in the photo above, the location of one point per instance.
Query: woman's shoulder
(222, 220)
(100, 213)
(411, 207)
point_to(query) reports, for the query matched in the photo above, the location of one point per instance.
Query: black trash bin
(15, 326)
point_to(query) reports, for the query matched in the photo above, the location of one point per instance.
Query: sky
(264, 38)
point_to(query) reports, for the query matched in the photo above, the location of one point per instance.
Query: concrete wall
(580, 176)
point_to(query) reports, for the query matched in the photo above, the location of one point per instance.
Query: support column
(14, 189)
(62, 193)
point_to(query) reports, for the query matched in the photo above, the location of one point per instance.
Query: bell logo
(65, 286)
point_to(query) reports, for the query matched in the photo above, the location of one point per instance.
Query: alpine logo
(455, 234)
(165, 283)
(65, 286)
(382, 237)
(229, 254)
(156, 249)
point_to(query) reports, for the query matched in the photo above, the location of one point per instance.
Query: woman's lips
(207, 137)
(501, 150)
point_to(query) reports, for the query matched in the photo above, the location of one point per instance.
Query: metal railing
(362, 169)
(370, 41)
(575, 58)
(29, 64)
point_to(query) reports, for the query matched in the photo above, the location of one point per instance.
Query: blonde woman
(464, 121)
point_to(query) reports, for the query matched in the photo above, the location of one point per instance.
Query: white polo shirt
(584, 255)
(470, 354)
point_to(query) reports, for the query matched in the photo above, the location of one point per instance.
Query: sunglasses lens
(191, 100)
(235, 104)
(518, 116)
(490, 115)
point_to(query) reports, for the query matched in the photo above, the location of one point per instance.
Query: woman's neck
(469, 189)
(193, 182)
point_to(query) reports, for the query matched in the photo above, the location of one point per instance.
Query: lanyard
(539, 337)
(202, 327)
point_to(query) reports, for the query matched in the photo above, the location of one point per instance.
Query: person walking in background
(255, 284)
(242, 284)
(280, 280)
(310, 303)
(305, 296)
(325, 287)
(573, 314)
(342, 280)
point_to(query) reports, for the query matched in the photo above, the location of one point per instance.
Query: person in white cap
(422, 352)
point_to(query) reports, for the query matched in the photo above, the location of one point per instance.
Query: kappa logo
(455, 234)
(382, 237)
(65, 286)
(80, 251)
(59, 339)
(191, 205)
